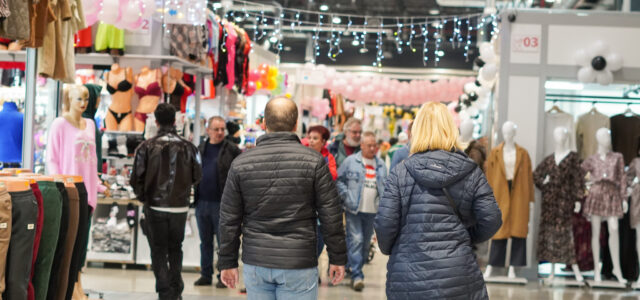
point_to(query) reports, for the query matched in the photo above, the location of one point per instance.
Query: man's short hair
(165, 114)
(350, 122)
(215, 118)
(368, 134)
(281, 115)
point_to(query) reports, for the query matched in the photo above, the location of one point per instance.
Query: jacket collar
(278, 138)
(203, 145)
(359, 158)
(164, 130)
(519, 157)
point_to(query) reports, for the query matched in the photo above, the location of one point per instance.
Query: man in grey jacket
(273, 196)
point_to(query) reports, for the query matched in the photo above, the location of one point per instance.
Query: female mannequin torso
(149, 93)
(119, 85)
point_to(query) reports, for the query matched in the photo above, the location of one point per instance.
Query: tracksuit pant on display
(52, 205)
(60, 289)
(165, 232)
(56, 267)
(5, 234)
(24, 215)
(36, 241)
(80, 245)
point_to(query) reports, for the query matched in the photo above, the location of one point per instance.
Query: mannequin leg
(488, 271)
(576, 272)
(512, 272)
(553, 271)
(614, 245)
(595, 246)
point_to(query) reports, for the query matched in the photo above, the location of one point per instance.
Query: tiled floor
(139, 285)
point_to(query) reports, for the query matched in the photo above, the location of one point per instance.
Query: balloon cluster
(392, 111)
(266, 77)
(598, 64)
(125, 14)
(476, 94)
(379, 89)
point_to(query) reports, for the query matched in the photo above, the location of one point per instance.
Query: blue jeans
(282, 284)
(208, 218)
(359, 233)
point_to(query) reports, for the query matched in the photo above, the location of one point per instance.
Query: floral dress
(559, 194)
(609, 185)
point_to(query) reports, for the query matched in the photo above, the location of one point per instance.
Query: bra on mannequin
(153, 89)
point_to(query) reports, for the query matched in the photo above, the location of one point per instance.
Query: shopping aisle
(139, 285)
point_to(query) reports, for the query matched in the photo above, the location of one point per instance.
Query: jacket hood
(438, 169)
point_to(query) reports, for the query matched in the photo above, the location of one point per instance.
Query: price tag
(526, 43)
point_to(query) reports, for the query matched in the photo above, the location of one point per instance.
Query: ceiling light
(239, 19)
(355, 43)
(287, 48)
(440, 53)
(324, 7)
(217, 5)
(364, 50)
(337, 20)
(273, 39)
(434, 11)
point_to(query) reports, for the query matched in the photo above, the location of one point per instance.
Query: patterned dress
(609, 185)
(559, 194)
(634, 207)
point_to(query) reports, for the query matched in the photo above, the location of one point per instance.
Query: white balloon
(600, 48)
(472, 111)
(582, 58)
(586, 75)
(489, 57)
(148, 8)
(604, 77)
(489, 72)
(110, 13)
(470, 87)
(463, 115)
(614, 62)
(485, 49)
(483, 91)
(131, 13)
(482, 102)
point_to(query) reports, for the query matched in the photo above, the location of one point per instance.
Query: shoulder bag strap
(452, 203)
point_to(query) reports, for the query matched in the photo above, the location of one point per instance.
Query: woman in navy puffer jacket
(428, 243)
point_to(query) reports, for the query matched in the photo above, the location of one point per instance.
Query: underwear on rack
(153, 89)
(140, 116)
(175, 96)
(119, 116)
(109, 37)
(5, 42)
(183, 99)
(83, 38)
(123, 86)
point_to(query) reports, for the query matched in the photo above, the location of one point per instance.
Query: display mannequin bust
(119, 83)
(466, 131)
(149, 90)
(603, 137)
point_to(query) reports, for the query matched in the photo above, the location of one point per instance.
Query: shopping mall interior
(545, 94)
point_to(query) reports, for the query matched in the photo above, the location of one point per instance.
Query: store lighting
(217, 5)
(337, 20)
(324, 7)
(287, 48)
(273, 39)
(239, 19)
(440, 53)
(563, 85)
(434, 11)
(364, 50)
(355, 43)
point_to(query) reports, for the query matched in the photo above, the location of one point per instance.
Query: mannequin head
(603, 136)
(466, 130)
(560, 136)
(75, 99)
(509, 131)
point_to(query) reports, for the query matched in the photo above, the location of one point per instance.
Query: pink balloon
(254, 75)
(251, 88)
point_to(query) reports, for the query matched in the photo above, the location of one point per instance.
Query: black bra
(123, 86)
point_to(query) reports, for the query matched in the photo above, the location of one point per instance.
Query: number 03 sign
(526, 43)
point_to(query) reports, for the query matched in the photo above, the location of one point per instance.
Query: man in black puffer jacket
(273, 196)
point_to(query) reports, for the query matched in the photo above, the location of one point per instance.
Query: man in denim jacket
(360, 184)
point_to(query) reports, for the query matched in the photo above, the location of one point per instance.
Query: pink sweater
(71, 151)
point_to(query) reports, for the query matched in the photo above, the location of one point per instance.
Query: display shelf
(111, 132)
(606, 284)
(506, 279)
(14, 56)
(174, 61)
(109, 201)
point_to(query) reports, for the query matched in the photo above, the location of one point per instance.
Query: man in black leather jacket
(164, 170)
(273, 196)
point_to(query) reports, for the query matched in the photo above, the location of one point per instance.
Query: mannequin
(174, 87)
(466, 131)
(119, 85)
(560, 229)
(149, 90)
(603, 137)
(509, 174)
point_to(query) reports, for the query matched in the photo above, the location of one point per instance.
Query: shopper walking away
(436, 204)
(273, 197)
(360, 184)
(165, 168)
(403, 152)
(217, 154)
(348, 142)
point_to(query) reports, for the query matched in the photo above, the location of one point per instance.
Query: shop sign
(526, 41)
(140, 36)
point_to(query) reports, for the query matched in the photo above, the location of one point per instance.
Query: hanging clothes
(40, 16)
(559, 195)
(625, 136)
(634, 206)
(90, 113)
(588, 125)
(4, 10)
(554, 120)
(513, 204)
(477, 151)
(609, 185)
(109, 37)
(16, 26)
(232, 38)
(582, 239)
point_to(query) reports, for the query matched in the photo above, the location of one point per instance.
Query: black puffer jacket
(274, 194)
(165, 168)
(431, 256)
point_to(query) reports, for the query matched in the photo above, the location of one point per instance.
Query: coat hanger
(593, 110)
(555, 108)
(628, 112)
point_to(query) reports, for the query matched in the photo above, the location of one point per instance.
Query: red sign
(526, 43)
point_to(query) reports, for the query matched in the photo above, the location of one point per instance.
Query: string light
(468, 44)
(379, 53)
(398, 33)
(438, 36)
(425, 48)
(413, 32)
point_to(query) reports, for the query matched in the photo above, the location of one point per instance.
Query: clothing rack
(592, 99)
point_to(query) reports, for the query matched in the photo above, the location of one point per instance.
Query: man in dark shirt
(217, 154)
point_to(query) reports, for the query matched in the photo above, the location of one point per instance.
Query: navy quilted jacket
(429, 247)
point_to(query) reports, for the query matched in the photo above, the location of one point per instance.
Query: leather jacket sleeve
(330, 213)
(231, 213)
(196, 174)
(138, 172)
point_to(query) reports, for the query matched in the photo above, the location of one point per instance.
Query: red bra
(152, 89)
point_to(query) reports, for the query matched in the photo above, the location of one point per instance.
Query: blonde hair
(66, 101)
(433, 129)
